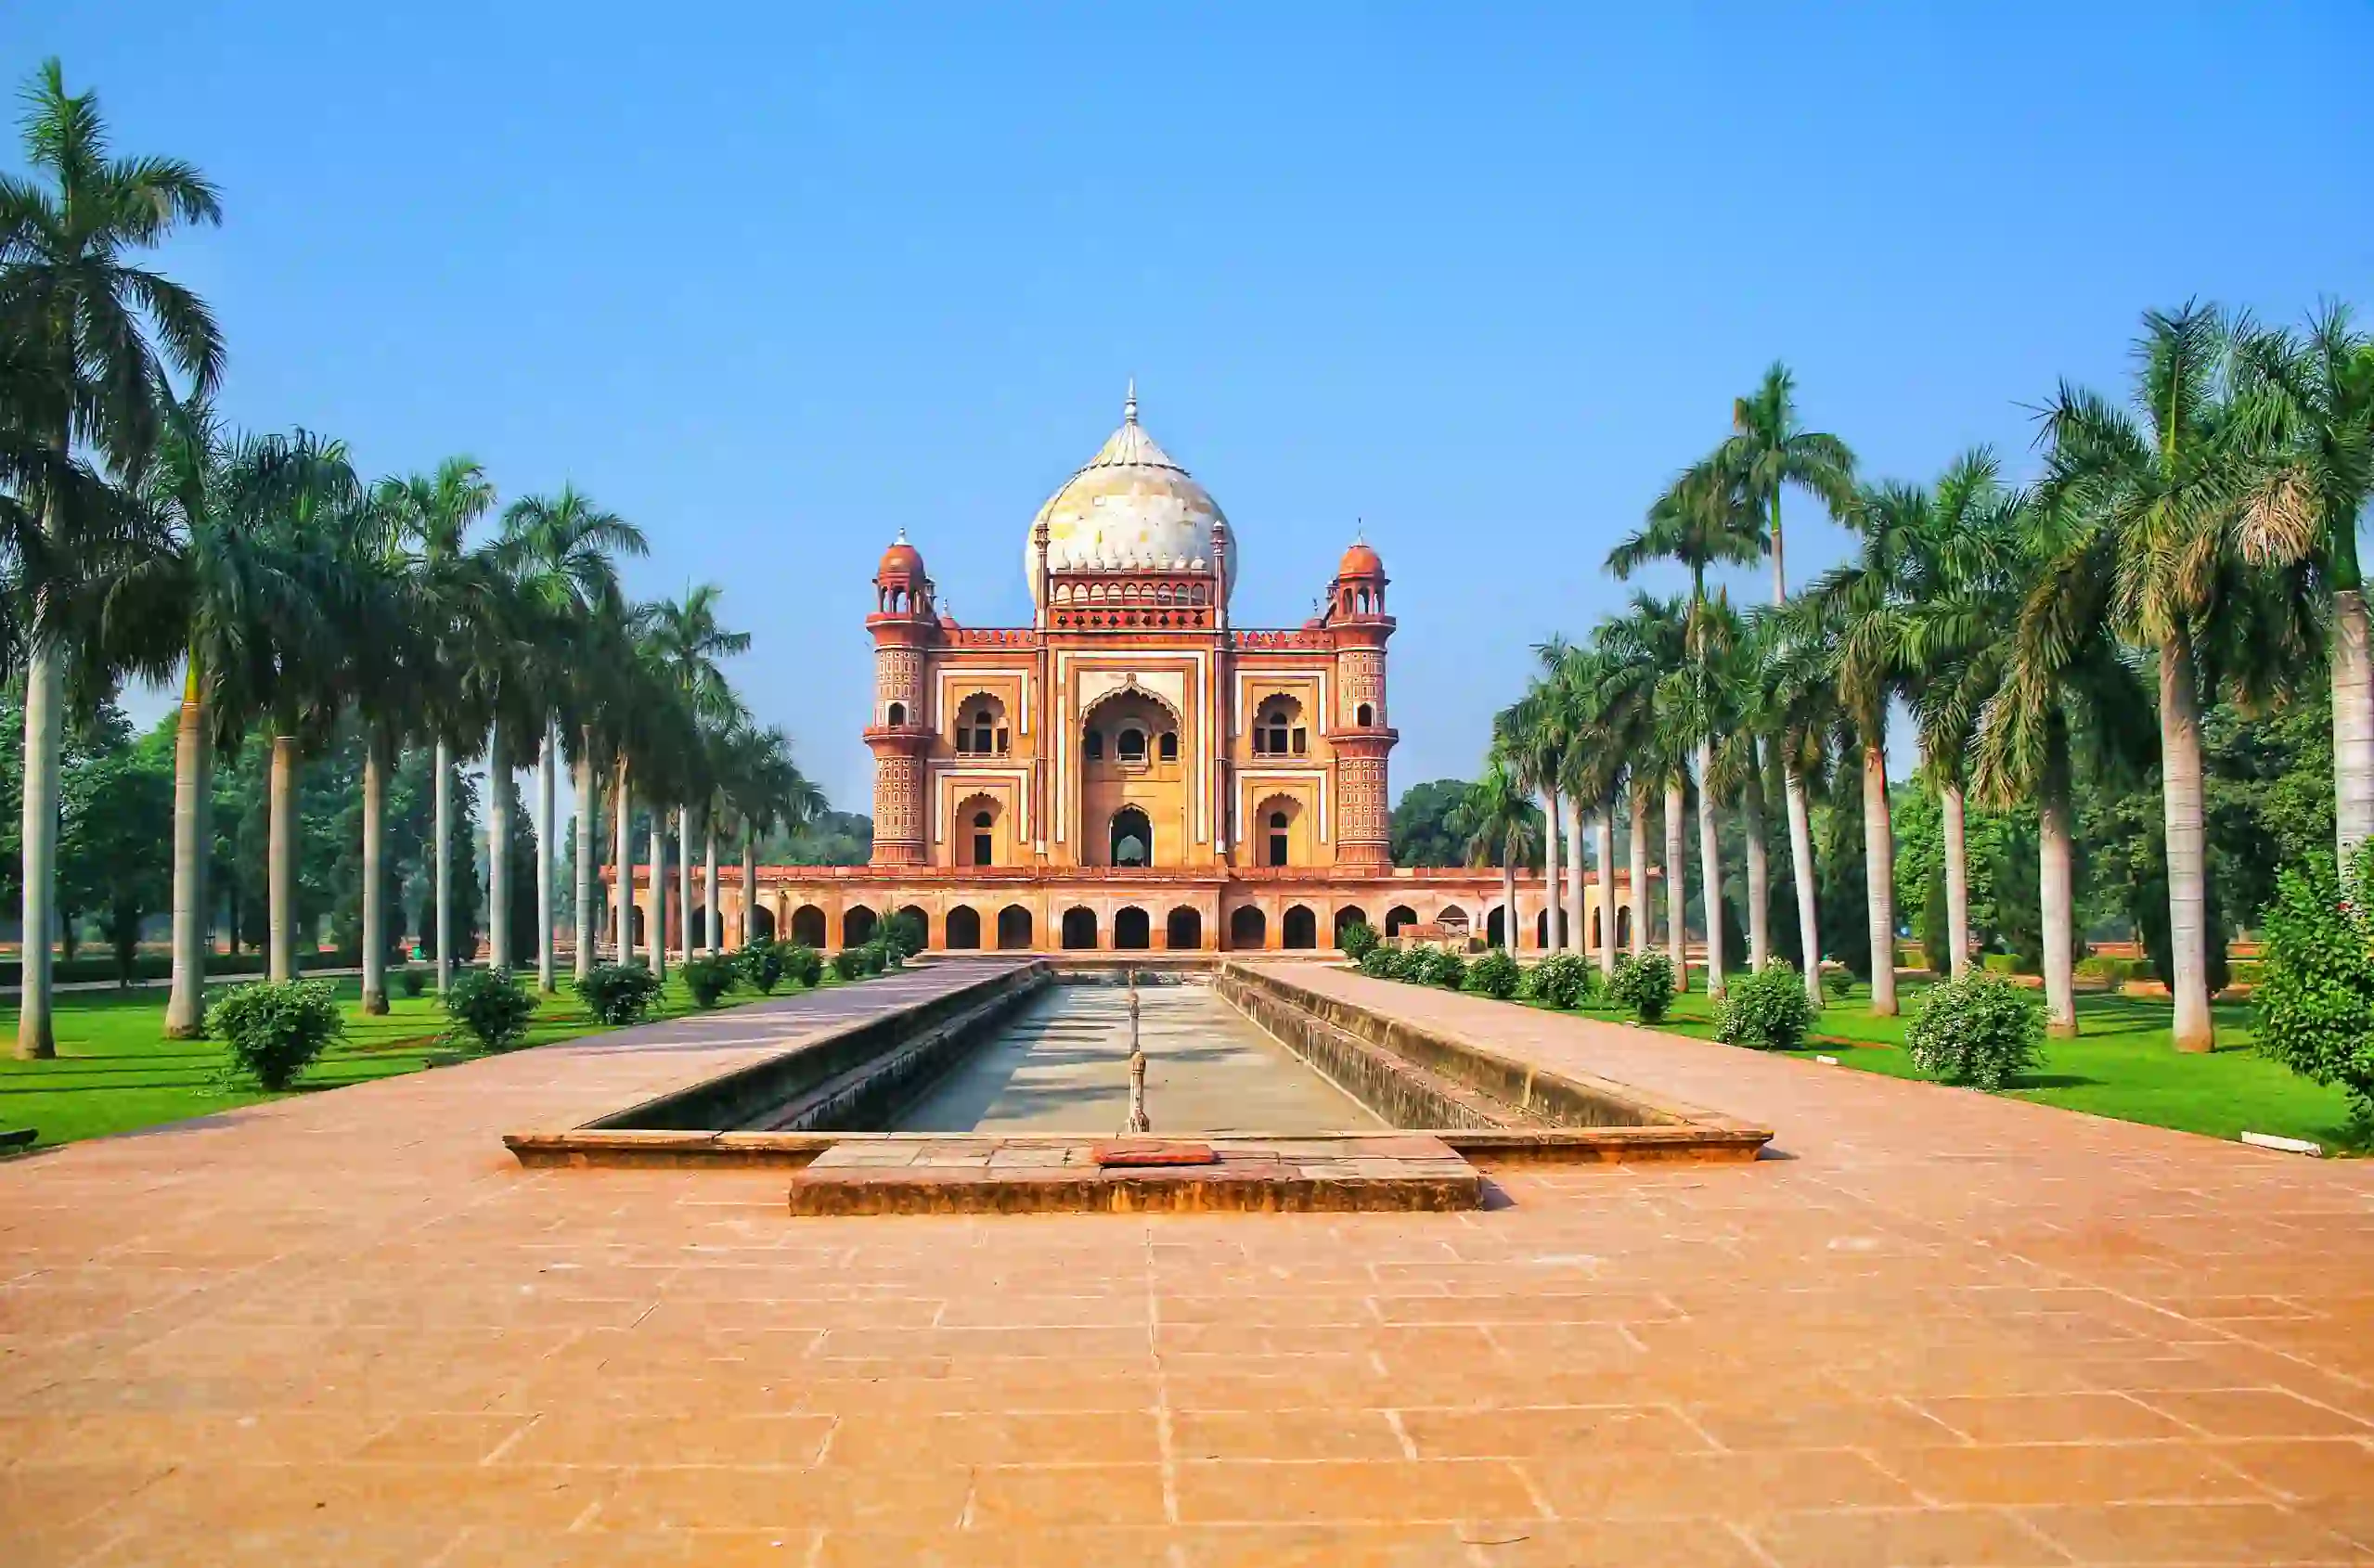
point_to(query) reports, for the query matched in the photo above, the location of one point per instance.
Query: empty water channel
(1035, 1048)
(1062, 1064)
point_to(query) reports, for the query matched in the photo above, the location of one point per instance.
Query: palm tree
(217, 601)
(1962, 590)
(1858, 612)
(1651, 647)
(449, 588)
(2064, 681)
(308, 503)
(1772, 450)
(1496, 818)
(1705, 519)
(100, 337)
(2167, 480)
(2310, 399)
(559, 553)
(763, 790)
(1533, 733)
(690, 640)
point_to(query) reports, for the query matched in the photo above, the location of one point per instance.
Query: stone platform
(1059, 1173)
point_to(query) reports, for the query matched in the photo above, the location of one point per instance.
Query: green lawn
(115, 1072)
(2121, 1064)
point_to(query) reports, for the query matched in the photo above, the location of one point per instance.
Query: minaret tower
(904, 623)
(1357, 732)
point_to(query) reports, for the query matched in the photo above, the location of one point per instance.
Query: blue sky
(778, 281)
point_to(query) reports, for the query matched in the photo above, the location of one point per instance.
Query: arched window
(983, 840)
(1364, 715)
(898, 715)
(1092, 745)
(1277, 838)
(1132, 746)
(981, 729)
(1132, 838)
(1170, 747)
(1278, 730)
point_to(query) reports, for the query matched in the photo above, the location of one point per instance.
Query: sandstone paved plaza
(1930, 1327)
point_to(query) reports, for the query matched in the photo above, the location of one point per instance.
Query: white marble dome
(1129, 509)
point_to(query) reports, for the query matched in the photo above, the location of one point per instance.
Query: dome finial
(1130, 404)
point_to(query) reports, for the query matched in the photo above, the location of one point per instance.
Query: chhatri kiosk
(1131, 770)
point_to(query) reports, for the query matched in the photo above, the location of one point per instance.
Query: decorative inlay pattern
(1362, 671)
(1361, 811)
(898, 798)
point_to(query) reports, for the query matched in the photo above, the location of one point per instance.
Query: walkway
(1949, 1328)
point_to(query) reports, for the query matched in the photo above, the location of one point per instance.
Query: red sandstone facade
(1129, 771)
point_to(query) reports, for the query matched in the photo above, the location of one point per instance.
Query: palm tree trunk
(1554, 937)
(749, 884)
(714, 934)
(2053, 846)
(45, 738)
(186, 1009)
(374, 893)
(658, 931)
(1957, 878)
(684, 877)
(1508, 895)
(1573, 896)
(1710, 867)
(2180, 770)
(1879, 877)
(498, 849)
(545, 799)
(1606, 851)
(1800, 854)
(445, 867)
(622, 807)
(281, 852)
(1677, 890)
(1636, 864)
(587, 812)
(2353, 725)
(1759, 881)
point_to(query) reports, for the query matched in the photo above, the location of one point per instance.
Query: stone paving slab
(1944, 1329)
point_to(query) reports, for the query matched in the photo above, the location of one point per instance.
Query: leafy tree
(2315, 997)
(1422, 830)
(114, 849)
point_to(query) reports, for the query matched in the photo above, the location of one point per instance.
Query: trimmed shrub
(803, 966)
(1643, 985)
(1837, 982)
(855, 963)
(1439, 965)
(413, 978)
(2315, 992)
(1495, 974)
(276, 1030)
(708, 978)
(901, 937)
(618, 993)
(1563, 979)
(492, 1006)
(1981, 1029)
(1766, 1011)
(761, 964)
(1381, 963)
(1359, 939)
(1998, 963)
